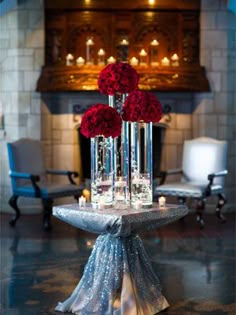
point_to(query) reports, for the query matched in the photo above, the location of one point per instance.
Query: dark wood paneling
(69, 24)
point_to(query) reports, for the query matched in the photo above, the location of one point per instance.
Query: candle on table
(120, 189)
(69, 60)
(175, 60)
(162, 202)
(165, 62)
(82, 201)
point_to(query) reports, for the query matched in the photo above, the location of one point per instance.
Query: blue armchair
(29, 178)
(202, 175)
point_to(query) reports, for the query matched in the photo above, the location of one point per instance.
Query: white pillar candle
(165, 62)
(134, 61)
(154, 53)
(80, 61)
(143, 57)
(69, 60)
(162, 202)
(101, 57)
(111, 60)
(82, 201)
(175, 60)
(89, 51)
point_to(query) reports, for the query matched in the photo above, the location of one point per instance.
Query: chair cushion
(189, 189)
(51, 190)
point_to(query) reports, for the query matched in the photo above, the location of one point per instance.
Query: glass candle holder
(141, 164)
(102, 174)
(141, 191)
(121, 191)
(154, 53)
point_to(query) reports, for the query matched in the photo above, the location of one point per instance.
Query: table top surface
(119, 222)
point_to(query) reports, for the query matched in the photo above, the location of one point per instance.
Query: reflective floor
(197, 268)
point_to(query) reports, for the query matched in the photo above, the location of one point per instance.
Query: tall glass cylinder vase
(102, 172)
(121, 154)
(141, 164)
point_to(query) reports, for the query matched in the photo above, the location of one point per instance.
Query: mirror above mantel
(160, 40)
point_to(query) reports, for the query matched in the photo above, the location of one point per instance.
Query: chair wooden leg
(13, 203)
(47, 205)
(219, 206)
(199, 211)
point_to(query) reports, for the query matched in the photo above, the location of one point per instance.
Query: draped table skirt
(118, 278)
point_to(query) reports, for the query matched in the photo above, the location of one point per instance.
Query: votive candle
(165, 62)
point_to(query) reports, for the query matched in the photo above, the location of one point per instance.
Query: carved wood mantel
(175, 24)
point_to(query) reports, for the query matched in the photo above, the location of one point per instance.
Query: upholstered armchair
(29, 178)
(202, 175)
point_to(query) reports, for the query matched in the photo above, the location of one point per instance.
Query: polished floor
(197, 268)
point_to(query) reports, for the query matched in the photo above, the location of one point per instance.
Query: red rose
(142, 106)
(118, 78)
(101, 119)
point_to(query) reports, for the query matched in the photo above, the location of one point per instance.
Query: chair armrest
(211, 176)
(164, 174)
(65, 172)
(33, 178)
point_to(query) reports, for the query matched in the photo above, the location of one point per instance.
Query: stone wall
(21, 59)
(214, 113)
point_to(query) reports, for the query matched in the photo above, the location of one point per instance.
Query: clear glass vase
(141, 164)
(121, 153)
(102, 172)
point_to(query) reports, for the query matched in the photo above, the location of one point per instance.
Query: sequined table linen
(118, 278)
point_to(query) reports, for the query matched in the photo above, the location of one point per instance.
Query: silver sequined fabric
(118, 222)
(118, 278)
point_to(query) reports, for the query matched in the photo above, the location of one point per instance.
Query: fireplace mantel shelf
(73, 78)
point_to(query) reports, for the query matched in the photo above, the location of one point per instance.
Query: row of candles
(161, 202)
(165, 62)
(134, 61)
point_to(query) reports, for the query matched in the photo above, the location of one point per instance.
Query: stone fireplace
(51, 117)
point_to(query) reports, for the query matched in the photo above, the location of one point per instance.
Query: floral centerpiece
(101, 120)
(101, 123)
(142, 106)
(118, 78)
(141, 109)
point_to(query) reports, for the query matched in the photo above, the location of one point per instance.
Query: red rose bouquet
(118, 77)
(101, 119)
(142, 106)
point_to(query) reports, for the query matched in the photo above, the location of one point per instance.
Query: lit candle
(165, 62)
(124, 50)
(69, 60)
(82, 201)
(154, 53)
(138, 204)
(143, 57)
(111, 60)
(134, 61)
(120, 189)
(89, 51)
(101, 57)
(162, 202)
(80, 61)
(175, 60)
